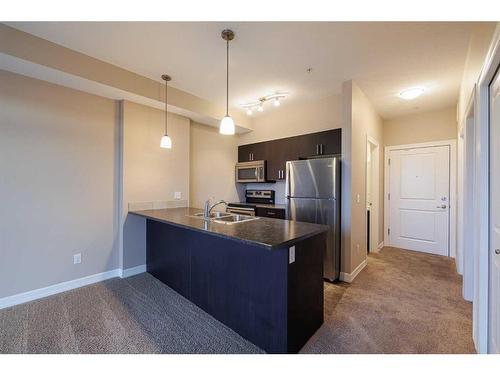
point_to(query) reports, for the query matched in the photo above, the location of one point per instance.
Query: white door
(419, 188)
(494, 287)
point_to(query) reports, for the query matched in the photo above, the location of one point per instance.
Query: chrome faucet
(209, 208)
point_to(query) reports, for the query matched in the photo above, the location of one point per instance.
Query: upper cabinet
(277, 152)
(317, 144)
(252, 152)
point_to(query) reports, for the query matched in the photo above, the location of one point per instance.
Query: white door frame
(453, 198)
(481, 198)
(465, 236)
(375, 209)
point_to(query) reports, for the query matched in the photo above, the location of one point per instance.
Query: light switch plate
(77, 258)
(291, 255)
(177, 195)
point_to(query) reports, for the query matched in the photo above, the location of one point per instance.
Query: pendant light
(166, 142)
(227, 123)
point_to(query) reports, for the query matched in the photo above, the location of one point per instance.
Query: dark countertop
(266, 232)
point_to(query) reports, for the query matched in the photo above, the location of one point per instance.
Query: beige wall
(150, 173)
(213, 157)
(295, 119)
(58, 164)
(360, 120)
(478, 48)
(421, 127)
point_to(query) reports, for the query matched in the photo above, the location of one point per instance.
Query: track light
(259, 104)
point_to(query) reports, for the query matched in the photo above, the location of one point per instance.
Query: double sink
(224, 217)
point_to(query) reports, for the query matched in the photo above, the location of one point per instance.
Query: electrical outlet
(291, 255)
(357, 248)
(77, 258)
(177, 195)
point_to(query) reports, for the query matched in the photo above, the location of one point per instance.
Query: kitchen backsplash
(278, 187)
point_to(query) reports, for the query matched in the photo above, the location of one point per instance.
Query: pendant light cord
(166, 101)
(227, 77)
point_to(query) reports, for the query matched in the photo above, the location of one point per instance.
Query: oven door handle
(241, 210)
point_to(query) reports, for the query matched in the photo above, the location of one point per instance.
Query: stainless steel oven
(251, 171)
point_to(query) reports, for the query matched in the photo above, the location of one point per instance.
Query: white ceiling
(383, 58)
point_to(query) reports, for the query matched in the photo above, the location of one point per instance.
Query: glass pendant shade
(166, 142)
(227, 126)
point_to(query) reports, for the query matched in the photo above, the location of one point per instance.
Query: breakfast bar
(262, 277)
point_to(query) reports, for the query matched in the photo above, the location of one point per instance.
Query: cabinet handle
(321, 148)
(317, 149)
(271, 213)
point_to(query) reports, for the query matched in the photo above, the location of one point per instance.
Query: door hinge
(388, 231)
(389, 196)
(389, 162)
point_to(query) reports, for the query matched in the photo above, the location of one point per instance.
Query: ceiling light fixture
(166, 141)
(260, 108)
(411, 93)
(227, 124)
(259, 105)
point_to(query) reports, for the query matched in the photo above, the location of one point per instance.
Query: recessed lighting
(249, 111)
(260, 108)
(277, 102)
(411, 93)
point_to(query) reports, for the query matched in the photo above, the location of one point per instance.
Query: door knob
(497, 251)
(441, 206)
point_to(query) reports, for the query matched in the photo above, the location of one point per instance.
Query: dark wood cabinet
(252, 152)
(277, 152)
(317, 144)
(276, 213)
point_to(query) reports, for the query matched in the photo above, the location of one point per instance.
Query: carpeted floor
(402, 302)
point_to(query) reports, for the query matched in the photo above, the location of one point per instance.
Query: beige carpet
(402, 302)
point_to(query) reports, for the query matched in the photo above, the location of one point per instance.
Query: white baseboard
(349, 277)
(133, 271)
(17, 299)
(32, 295)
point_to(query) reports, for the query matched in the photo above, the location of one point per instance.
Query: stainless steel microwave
(251, 171)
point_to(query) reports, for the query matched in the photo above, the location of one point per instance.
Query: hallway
(402, 302)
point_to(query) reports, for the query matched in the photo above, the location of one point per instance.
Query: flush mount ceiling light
(259, 104)
(411, 93)
(166, 142)
(227, 124)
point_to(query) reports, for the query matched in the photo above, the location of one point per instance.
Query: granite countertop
(265, 232)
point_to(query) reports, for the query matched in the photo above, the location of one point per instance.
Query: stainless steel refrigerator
(313, 196)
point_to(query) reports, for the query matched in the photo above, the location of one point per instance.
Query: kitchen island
(263, 278)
